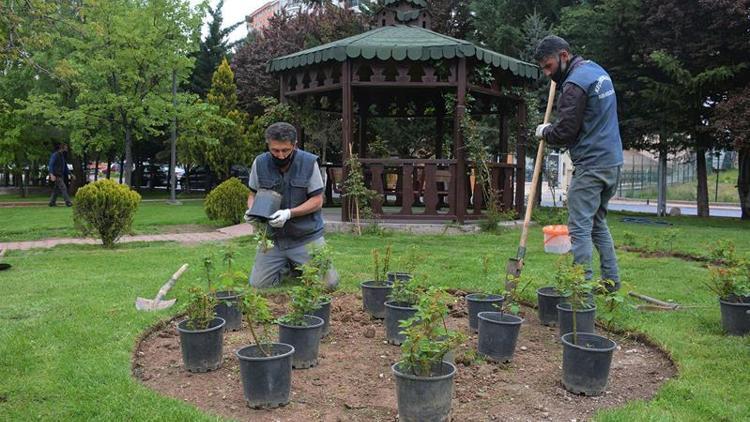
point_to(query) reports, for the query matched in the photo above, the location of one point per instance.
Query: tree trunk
(128, 169)
(173, 143)
(661, 201)
(25, 184)
(109, 165)
(79, 167)
(702, 194)
(122, 169)
(743, 182)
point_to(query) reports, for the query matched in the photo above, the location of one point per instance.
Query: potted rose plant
(201, 333)
(265, 366)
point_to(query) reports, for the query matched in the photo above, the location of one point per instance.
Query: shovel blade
(142, 304)
(514, 267)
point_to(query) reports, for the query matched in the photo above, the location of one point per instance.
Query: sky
(235, 11)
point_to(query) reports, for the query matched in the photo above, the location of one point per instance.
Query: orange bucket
(556, 239)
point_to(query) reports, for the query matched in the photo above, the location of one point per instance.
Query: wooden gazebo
(404, 63)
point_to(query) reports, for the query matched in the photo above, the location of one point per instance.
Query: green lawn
(33, 223)
(69, 324)
(688, 191)
(43, 196)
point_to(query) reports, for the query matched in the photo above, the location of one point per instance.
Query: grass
(687, 191)
(69, 325)
(35, 195)
(33, 223)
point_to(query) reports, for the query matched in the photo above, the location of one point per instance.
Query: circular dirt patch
(353, 381)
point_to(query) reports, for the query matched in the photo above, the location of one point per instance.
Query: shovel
(157, 303)
(515, 265)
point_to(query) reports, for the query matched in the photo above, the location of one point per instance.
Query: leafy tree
(286, 34)
(119, 71)
(496, 22)
(273, 112)
(30, 26)
(688, 81)
(213, 49)
(450, 17)
(732, 121)
(231, 144)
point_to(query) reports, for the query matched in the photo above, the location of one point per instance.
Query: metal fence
(638, 179)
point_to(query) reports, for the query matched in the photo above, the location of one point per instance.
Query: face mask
(559, 74)
(281, 162)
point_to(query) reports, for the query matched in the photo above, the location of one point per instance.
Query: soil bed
(353, 381)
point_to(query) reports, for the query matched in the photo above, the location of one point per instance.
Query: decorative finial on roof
(405, 12)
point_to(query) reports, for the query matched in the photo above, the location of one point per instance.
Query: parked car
(202, 178)
(155, 175)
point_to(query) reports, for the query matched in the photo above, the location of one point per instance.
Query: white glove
(248, 218)
(280, 217)
(540, 129)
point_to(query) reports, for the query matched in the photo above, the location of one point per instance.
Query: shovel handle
(656, 302)
(168, 285)
(537, 171)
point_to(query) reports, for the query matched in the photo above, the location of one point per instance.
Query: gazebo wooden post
(362, 129)
(346, 128)
(439, 128)
(503, 134)
(521, 159)
(458, 145)
(506, 174)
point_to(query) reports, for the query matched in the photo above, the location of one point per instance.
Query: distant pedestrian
(58, 174)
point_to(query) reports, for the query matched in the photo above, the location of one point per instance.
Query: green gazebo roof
(401, 42)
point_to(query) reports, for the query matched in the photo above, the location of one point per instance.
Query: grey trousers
(59, 185)
(269, 266)
(588, 196)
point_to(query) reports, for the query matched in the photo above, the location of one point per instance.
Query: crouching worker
(297, 226)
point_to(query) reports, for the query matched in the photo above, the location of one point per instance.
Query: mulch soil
(353, 380)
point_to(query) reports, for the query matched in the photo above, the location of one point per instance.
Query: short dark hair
(281, 131)
(550, 46)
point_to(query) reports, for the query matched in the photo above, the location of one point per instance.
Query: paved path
(220, 234)
(230, 232)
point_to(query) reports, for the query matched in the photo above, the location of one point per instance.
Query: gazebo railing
(426, 188)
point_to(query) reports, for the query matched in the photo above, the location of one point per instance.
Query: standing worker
(298, 225)
(587, 126)
(58, 173)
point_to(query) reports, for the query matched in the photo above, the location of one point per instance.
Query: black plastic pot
(324, 313)
(586, 363)
(584, 319)
(265, 203)
(202, 349)
(266, 381)
(424, 398)
(305, 340)
(228, 308)
(450, 357)
(395, 275)
(480, 302)
(498, 334)
(374, 296)
(735, 315)
(395, 312)
(548, 298)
